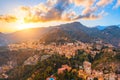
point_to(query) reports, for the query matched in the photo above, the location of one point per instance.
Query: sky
(21, 14)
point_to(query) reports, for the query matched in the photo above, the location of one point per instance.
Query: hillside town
(67, 49)
(87, 73)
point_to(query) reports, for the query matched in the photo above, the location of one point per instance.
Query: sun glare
(22, 25)
(25, 26)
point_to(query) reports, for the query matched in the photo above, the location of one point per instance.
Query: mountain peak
(75, 23)
(74, 26)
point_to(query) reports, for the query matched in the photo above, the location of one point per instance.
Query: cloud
(24, 8)
(51, 2)
(89, 10)
(103, 3)
(68, 16)
(85, 3)
(88, 17)
(58, 10)
(91, 16)
(117, 4)
(7, 18)
(45, 12)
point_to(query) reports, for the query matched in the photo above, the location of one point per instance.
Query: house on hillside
(87, 67)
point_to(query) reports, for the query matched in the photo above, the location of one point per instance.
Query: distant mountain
(101, 27)
(27, 34)
(118, 25)
(111, 35)
(3, 40)
(66, 33)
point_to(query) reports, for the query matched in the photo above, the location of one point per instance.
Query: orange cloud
(89, 10)
(45, 12)
(89, 17)
(51, 2)
(25, 8)
(8, 18)
(85, 3)
(51, 15)
(103, 3)
(57, 10)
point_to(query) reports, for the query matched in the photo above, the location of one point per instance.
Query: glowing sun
(22, 25)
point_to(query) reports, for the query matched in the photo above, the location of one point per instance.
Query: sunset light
(59, 39)
(22, 25)
(29, 13)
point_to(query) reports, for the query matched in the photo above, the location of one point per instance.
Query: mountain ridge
(71, 31)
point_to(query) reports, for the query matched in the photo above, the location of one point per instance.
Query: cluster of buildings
(86, 73)
(69, 50)
(32, 60)
(63, 68)
(5, 68)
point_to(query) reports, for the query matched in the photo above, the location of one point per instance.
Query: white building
(87, 67)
